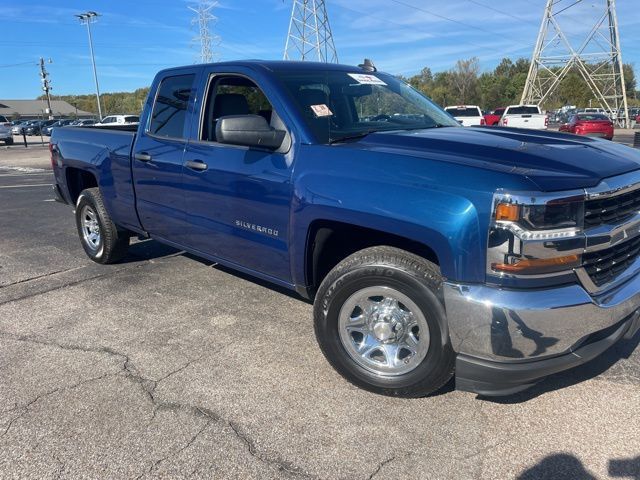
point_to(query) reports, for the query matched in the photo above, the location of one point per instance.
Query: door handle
(196, 165)
(143, 157)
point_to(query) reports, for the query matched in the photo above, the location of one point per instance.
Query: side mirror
(249, 131)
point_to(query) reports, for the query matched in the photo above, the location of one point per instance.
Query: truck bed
(104, 152)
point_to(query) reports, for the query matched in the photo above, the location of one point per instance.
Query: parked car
(428, 248)
(36, 127)
(589, 124)
(119, 120)
(60, 123)
(467, 115)
(493, 117)
(593, 110)
(84, 122)
(5, 131)
(18, 125)
(524, 116)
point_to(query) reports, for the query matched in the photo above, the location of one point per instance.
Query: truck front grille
(605, 265)
(611, 210)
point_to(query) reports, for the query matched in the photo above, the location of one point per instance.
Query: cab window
(170, 108)
(233, 95)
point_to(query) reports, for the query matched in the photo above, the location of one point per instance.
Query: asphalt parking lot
(168, 366)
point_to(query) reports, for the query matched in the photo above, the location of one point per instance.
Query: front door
(238, 198)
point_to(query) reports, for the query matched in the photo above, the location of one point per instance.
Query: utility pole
(46, 86)
(598, 58)
(88, 18)
(204, 18)
(310, 36)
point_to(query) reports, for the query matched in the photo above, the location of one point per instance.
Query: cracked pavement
(166, 366)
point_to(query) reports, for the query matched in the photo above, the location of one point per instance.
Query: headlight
(532, 235)
(553, 215)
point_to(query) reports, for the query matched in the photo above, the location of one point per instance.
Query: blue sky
(133, 39)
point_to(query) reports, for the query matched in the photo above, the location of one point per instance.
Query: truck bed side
(88, 157)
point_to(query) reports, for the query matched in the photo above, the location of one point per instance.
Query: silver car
(5, 131)
(18, 126)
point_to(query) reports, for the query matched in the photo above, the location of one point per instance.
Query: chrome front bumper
(515, 326)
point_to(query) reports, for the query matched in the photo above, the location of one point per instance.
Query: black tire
(113, 242)
(9, 141)
(412, 276)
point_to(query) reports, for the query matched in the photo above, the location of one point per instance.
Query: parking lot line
(32, 185)
(23, 174)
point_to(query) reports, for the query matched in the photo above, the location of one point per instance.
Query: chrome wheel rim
(383, 331)
(90, 228)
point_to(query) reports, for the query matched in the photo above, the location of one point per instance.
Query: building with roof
(33, 109)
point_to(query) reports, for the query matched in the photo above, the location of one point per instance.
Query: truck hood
(551, 160)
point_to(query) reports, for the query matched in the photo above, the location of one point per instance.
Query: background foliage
(463, 84)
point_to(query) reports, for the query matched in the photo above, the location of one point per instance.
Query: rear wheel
(9, 141)
(380, 322)
(101, 239)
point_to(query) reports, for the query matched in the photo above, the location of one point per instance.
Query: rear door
(157, 158)
(238, 198)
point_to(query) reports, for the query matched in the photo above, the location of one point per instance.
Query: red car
(493, 118)
(590, 124)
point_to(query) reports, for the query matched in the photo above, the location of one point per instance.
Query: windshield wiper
(355, 136)
(352, 137)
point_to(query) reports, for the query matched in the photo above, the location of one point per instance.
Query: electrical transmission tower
(310, 36)
(202, 22)
(597, 58)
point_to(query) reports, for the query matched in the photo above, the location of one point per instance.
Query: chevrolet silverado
(495, 255)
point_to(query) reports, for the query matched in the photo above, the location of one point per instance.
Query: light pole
(87, 18)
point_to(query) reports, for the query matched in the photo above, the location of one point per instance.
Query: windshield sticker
(321, 110)
(365, 79)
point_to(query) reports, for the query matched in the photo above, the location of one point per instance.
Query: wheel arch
(330, 241)
(77, 180)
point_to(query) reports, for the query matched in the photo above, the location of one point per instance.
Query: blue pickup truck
(495, 255)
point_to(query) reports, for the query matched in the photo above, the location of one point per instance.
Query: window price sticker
(365, 79)
(321, 110)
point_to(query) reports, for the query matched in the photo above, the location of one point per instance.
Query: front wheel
(102, 241)
(380, 322)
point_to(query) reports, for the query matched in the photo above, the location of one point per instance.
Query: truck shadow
(565, 465)
(621, 350)
(150, 249)
(557, 466)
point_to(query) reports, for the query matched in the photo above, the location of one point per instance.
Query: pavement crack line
(380, 466)
(68, 284)
(24, 409)
(251, 447)
(148, 387)
(37, 277)
(190, 442)
(61, 468)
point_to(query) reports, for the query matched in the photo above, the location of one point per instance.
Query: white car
(113, 120)
(524, 116)
(5, 131)
(467, 115)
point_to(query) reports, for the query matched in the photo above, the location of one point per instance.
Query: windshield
(463, 111)
(524, 110)
(338, 105)
(592, 116)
